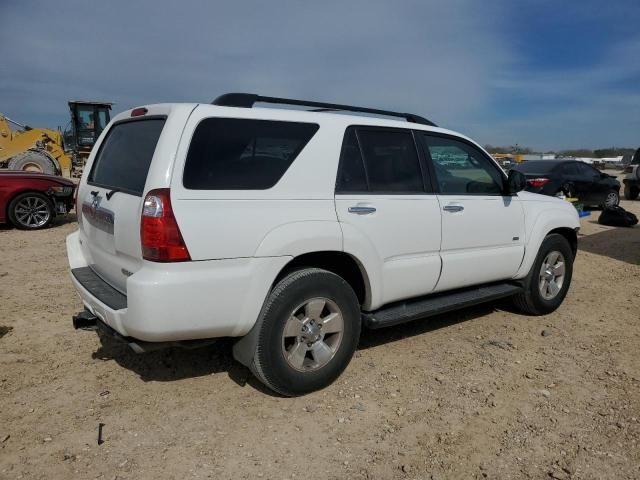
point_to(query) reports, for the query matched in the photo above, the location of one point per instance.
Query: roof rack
(247, 100)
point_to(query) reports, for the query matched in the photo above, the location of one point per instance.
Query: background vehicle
(31, 200)
(294, 229)
(572, 178)
(50, 151)
(631, 179)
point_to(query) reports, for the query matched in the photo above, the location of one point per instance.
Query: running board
(436, 304)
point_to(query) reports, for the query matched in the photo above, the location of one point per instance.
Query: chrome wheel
(552, 273)
(312, 335)
(32, 212)
(611, 200)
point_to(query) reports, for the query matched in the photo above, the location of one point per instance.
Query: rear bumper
(168, 302)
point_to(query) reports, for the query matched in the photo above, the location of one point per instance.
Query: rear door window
(570, 169)
(391, 161)
(125, 155)
(243, 154)
(379, 160)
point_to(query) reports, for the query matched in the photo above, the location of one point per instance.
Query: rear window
(125, 155)
(539, 166)
(243, 154)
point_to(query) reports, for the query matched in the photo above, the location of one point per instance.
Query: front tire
(31, 211)
(310, 327)
(548, 282)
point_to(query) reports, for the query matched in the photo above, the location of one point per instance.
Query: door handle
(361, 210)
(453, 208)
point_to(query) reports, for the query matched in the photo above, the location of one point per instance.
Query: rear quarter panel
(294, 216)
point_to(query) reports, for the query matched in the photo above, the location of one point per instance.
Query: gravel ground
(480, 393)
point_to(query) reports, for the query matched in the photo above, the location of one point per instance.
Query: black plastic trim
(436, 304)
(247, 100)
(100, 289)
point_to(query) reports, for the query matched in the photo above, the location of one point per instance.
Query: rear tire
(631, 192)
(310, 328)
(539, 296)
(31, 211)
(33, 161)
(612, 199)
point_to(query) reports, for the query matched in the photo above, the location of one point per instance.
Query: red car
(31, 200)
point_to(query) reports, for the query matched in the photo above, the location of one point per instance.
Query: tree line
(578, 152)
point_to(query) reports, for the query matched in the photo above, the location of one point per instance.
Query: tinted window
(462, 169)
(585, 170)
(241, 154)
(569, 168)
(391, 161)
(125, 155)
(536, 166)
(351, 176)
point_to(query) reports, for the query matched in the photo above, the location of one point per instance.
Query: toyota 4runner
(292, 229)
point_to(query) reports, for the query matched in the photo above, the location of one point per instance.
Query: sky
(548, 74)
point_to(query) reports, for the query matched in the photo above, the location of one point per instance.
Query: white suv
(291, 229)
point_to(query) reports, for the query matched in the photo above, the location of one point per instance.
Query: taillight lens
(537, 182)
(159, 232)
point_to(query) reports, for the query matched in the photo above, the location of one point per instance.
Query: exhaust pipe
(85, 320)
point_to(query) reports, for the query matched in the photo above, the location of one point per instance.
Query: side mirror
(516, 182)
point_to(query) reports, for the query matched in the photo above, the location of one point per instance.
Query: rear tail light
(537, 182)
(159, 232)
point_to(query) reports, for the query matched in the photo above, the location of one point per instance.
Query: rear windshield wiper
(111, 192)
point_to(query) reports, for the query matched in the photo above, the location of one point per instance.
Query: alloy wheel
(552, 273)
(312, 335)
(32, 212)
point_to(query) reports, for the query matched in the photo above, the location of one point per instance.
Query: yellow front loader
(50, 151)
(32, 149)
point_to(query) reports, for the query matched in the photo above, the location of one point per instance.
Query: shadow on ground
(172, 364)
(619, 243)
(177, 364)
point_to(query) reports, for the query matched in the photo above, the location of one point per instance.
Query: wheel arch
(570, 234)
(563, 221)
(341, 263)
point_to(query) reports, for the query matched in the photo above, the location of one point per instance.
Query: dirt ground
(480, 393)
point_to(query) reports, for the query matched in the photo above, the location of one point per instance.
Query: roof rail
(246, 100)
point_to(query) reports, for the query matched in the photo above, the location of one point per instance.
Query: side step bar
(436, 304)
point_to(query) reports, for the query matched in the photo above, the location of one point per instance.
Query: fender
(549, 218)
(360, 247)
